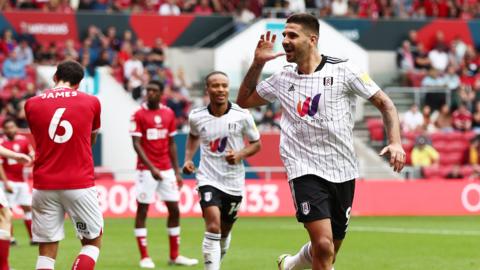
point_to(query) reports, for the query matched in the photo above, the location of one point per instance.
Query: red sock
(28, 224)
(87, 258)
(4, 250)
(141, 235)
(83, 262)
(174, 246)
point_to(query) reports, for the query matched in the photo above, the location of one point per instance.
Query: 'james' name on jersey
(62, 121)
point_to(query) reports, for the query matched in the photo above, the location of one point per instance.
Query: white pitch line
(413, 231)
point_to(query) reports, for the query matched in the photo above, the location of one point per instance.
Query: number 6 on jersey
(52, 129)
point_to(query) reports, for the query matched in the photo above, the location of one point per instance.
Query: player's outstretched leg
(5, 223)
(173, 228)
(141, 236)
(211, 241)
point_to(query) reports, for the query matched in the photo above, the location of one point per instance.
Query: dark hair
(70, 71)
(214, 73)
(8, 120)
(157, 83)
(307, 21)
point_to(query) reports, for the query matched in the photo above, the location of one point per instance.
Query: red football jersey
(62, 121)
(14, 169)
(155, 127)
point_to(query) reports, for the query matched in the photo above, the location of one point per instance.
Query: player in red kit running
(17, 189)
(5, 213)
(152, 131)
(64, 123)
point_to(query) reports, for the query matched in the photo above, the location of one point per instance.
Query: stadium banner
(272, 198)
(183, 30)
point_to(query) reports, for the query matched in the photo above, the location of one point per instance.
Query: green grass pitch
(386, 243)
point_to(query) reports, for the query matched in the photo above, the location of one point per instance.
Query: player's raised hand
(264, 51)
(22, 158)
(397, 156)
(188, 167)
(233, 157)
(156, 174)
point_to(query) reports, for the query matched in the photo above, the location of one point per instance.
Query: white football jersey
(318, 117)
(217, 135)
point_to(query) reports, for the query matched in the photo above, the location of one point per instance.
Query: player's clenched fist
(233, 157)
(188, 167)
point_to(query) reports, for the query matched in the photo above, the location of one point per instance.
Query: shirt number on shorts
(233, 207)
(55, 122)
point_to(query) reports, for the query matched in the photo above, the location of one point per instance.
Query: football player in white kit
(219, 129)
(318, 98)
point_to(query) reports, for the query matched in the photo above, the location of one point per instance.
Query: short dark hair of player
(214, 73)
(155, 84)
(307, 21)
(70, 71)
(8, 120)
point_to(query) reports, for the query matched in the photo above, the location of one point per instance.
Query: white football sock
(225, 244)
(44, 262)
(301, 260)
(211, 251)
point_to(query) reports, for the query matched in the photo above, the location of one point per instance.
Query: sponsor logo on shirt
(218, 145)
(309, 106)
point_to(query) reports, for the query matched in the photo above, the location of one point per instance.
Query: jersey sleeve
(96, 118)
(172, 128)
(359, 82)
(193, 125)
(135, 125)
(268, 88)
(250, 129)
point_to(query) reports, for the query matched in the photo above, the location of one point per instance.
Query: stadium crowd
(247, 10)
(442, 138)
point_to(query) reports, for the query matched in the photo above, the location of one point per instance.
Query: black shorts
(316, 198)
(228, 204)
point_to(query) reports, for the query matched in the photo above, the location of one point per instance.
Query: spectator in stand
(69, 52)
(128, 37)
(405, 58)
(169, 7)
(112, 39)
(422, 61)
(462, 118)
(159, 51)
(466, 93)
(452, 79)
(428, 125)
(133, 72)
(340, 8)
(443, 120)
(14, 68)
(30, 91)
(26, 4)
(203, 8)
(412, 120)
(470, 61)
(103, 60)
(87, 48)
(268, 122)
(13, 103)
(423, 154)
(455, 173)
(58, 6)
(243, 16)
(459, 48)
(7, 42)
(439, 57)
(141, 48)
(125, 53)
(24, 52)
(473, 155)
(433, 79)
(413, 39)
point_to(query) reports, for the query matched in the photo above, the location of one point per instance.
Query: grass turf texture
(396, 243)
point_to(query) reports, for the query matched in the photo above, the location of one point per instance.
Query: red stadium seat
(455, 158)
(431, 172)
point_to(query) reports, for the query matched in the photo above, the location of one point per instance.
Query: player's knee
(93, 242)
(213, 227)
(5, 215)
(323, 248)
(174, 212)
